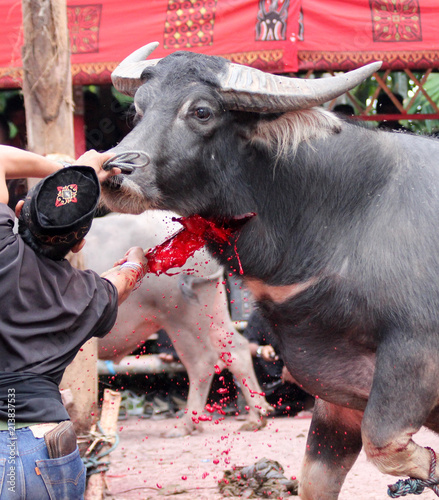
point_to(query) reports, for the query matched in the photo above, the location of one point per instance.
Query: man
(49, 310)
(385, 106)
(280, 391)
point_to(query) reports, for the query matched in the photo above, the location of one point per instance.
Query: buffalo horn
(249, 89)
(126, 77)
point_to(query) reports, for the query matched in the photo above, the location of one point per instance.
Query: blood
(244, 382)
(195, 233)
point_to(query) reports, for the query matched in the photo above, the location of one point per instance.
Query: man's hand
(95, 160)
(134, 254)
(268, 353)
(125, 279)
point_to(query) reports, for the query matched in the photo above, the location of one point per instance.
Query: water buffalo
(191, 306)
(342, 256)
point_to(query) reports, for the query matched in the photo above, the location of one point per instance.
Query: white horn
(249, 89)
(126, 77)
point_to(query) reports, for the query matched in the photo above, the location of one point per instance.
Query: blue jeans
(27, 472)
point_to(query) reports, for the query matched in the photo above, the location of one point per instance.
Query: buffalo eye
(203, 114)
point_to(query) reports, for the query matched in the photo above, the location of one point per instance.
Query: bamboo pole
(147, 363)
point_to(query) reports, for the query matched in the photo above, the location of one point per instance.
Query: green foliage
(395, 82)
(123, 99)
(422, 105)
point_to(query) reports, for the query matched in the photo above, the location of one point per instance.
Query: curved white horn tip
(364, 72)
(154, 45)
(375, 66)
(371, 68)
(142, 53)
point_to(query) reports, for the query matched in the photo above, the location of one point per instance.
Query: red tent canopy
(345, 34)
(103, 33)
(274, 35)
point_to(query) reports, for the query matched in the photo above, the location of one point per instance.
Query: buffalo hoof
(253, 425)
(177, 432)
(181, 430)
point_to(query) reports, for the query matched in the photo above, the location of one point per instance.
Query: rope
(412, 486)
(127, 161)
(95, 464)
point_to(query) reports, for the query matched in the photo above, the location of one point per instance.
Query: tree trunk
(47, 82)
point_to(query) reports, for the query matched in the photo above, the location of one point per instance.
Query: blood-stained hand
(134, 254)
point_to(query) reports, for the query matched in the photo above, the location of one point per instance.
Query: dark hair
(344, 109)
(385, 102)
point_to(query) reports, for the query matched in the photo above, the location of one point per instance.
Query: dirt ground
(147, 466)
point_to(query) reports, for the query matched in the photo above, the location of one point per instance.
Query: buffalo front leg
(404, 393)
(234, 354)
(199, 358)
(334, 442)
(200, 381)
(241, 365)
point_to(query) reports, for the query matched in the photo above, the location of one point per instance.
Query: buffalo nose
(127, 161)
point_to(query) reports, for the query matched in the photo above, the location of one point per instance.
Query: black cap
(59, 210)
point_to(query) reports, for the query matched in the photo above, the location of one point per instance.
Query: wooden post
(47, 81)
(108, 422)
(79, 387)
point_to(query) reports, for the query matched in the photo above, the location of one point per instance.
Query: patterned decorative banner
(344, 35)
(272, 20)
(103, 32)
(334, 35)
(189, 23)
(396, 20)
(84, 22)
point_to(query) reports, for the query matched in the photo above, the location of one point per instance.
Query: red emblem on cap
(66, 194)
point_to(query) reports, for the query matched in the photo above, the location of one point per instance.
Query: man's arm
(18, 163)
(125, 277)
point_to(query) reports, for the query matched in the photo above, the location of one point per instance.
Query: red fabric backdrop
(274, 35)
(343, 34)
(258, 33)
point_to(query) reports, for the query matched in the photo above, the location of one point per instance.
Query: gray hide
(342, 255)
